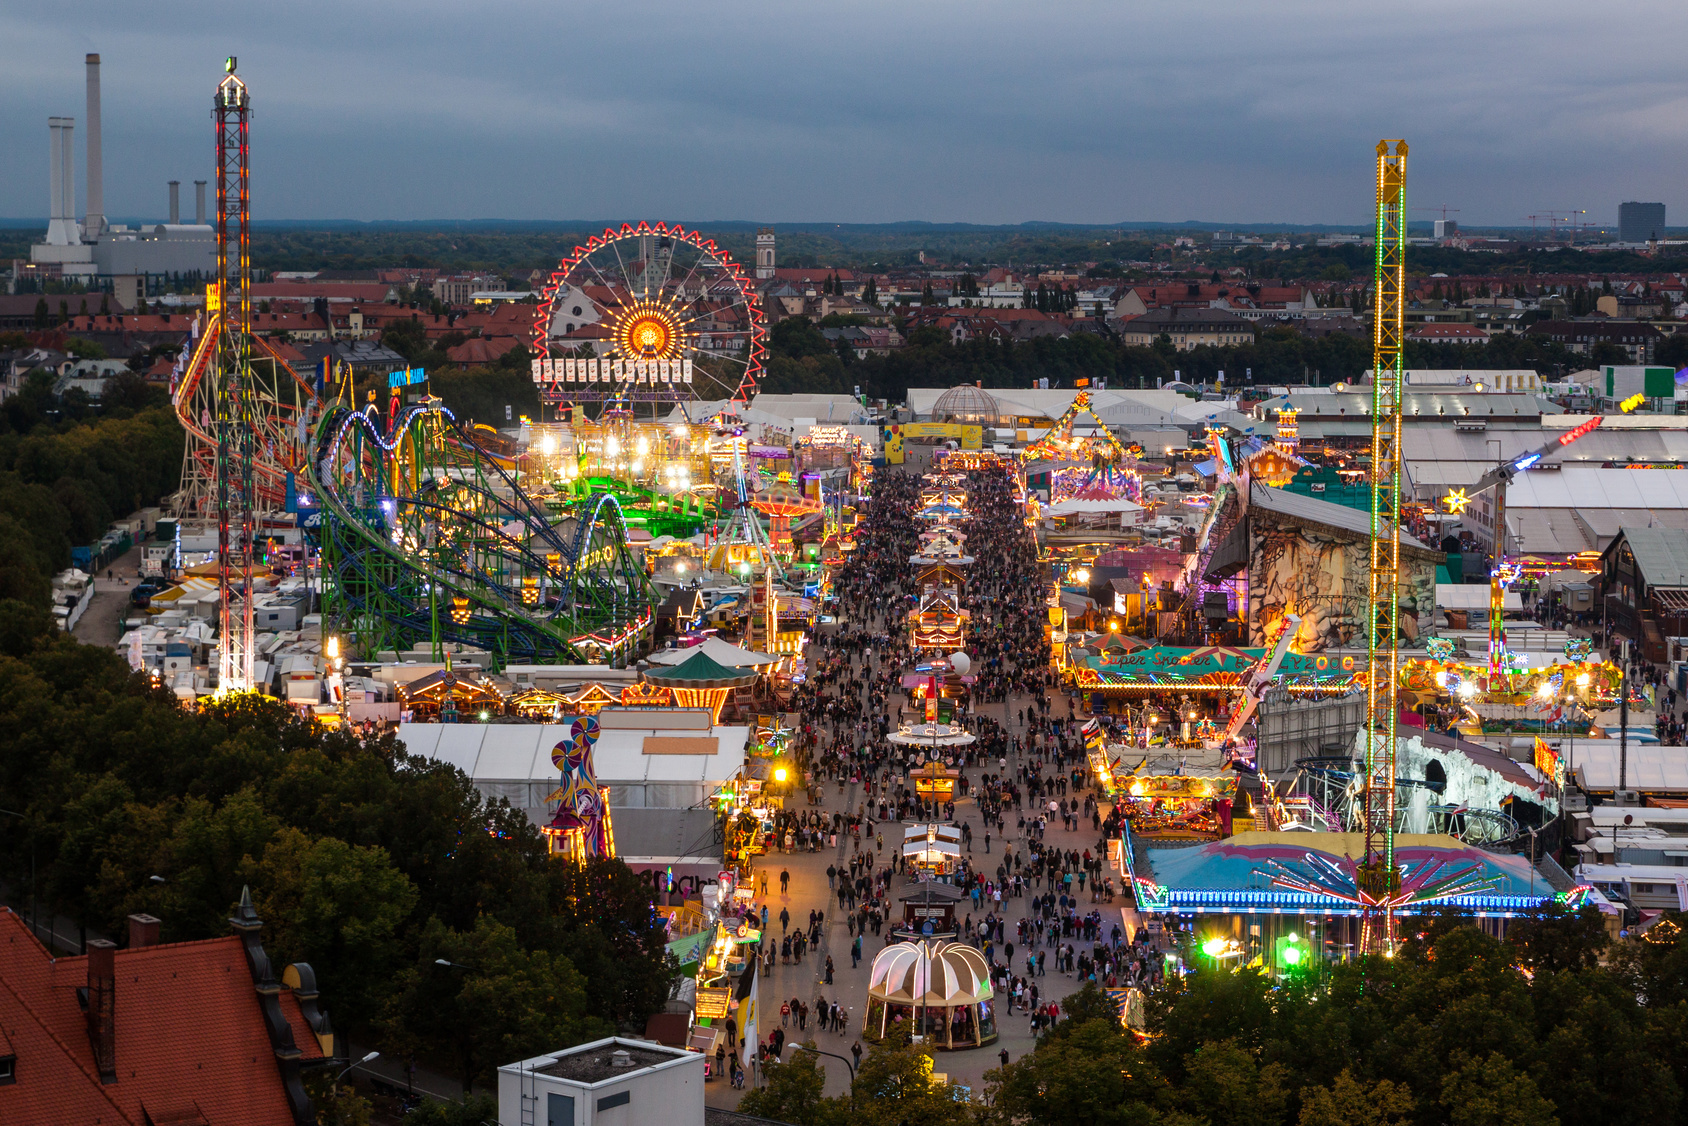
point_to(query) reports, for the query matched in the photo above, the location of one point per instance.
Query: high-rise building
(1640, 222)
(1446, 228)
(764, 252)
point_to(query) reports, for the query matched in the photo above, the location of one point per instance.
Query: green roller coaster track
(429, 540)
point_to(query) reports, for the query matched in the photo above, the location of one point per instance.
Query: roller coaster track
(428, 540)
(284, 398)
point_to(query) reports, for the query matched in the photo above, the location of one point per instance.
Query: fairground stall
(1175, 697)
(941, 991)
(1174, 806)
(929, 910)
(932, 851)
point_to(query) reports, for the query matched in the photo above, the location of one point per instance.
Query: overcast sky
(866, 112)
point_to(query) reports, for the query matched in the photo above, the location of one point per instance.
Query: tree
(1089, 1074)
(797, 337)
(1550, 939)
(792, 1091)
(1224, 1083)
(1492, 1092)
(473, 1110)
(336, 906)
(493, 1003)
(1351, 1102)
(1605, 352)
(894, 1086)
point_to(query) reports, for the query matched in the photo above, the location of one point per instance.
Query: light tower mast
(236, 525)
(1379, 880)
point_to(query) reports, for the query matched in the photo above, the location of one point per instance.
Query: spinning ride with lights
(1109, 471)
(781, 502)
(427, 541)
(648, 314)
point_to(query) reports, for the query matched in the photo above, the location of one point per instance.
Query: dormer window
(8, 1070)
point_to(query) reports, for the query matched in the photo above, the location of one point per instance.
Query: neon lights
(1572, 435)
(1632, 402)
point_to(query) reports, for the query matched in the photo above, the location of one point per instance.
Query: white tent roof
(513, 752)
(1070, 507)
(1650, 768)
(1472, 596)
(716, 650)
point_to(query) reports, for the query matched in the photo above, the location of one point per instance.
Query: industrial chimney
(175, 202)
(95, 225)
(61, 224)
(199, 202)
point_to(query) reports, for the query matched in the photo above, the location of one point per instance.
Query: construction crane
(1553, 218)
(1377, 879)
(231, 296)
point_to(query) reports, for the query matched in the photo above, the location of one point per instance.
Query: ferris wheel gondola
(648, 314)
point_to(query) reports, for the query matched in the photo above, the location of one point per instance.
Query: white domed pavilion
(941, 989)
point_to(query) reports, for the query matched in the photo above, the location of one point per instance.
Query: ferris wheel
(648, 314)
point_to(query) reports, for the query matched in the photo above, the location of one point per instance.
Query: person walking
(785, 881)
(785, 920)
(829, 969)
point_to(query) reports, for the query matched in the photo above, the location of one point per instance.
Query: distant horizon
(1273, 227)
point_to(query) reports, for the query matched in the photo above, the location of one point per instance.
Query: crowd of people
(1031, 905)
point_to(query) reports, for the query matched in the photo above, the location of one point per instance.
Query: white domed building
(939, 989)
(967, 405)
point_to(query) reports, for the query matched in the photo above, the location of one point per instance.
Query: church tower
(764, 252)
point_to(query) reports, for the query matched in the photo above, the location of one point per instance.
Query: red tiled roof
(190, 1037)
(805, 274)
(178, 323)
(478, 350)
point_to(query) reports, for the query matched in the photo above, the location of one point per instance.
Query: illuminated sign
(407, 377)
(1632, 402)
(1572, 435)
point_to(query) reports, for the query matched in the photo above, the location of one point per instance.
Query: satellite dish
(961, 663)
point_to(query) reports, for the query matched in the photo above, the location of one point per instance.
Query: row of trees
(366, 863)
(800, 359)
(1547, 1028)
(69, 467)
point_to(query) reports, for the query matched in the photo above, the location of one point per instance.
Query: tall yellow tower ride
(1379, 880)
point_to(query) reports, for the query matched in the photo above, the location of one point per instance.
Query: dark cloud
(1088, 112)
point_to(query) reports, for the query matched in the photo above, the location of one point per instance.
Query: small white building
(613, 1082)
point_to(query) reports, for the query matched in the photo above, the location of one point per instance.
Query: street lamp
(349, 1067)
(834, 1055)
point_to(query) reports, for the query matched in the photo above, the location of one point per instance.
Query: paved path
(808, 891)
(102, 622)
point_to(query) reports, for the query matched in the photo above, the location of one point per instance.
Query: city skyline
(944, 115)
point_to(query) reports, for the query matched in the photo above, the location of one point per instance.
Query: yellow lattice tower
(1379, 880)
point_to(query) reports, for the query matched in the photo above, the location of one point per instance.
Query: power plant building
(96, 249)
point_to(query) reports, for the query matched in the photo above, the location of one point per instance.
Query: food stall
(932, 850)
